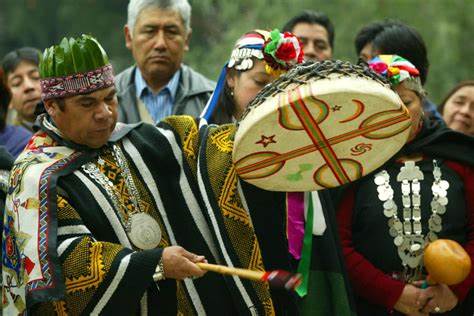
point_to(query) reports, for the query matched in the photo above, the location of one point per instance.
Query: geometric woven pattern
(44, 187)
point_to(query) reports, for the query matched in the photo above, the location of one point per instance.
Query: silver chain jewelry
(93, 171)
(142, 229)
(130, 184)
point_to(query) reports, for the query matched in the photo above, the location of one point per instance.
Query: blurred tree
(445, 25)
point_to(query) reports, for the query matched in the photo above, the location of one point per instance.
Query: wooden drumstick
(277, 278)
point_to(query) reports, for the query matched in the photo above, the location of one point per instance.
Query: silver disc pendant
(432, 236)
(145, 232)
(398, 241)
(443, 201)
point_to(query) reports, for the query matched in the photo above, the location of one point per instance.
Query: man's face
(86, 119)
(25, 88)
(158, 42)
(315, 40)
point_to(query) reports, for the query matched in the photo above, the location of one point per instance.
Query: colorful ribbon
(305, 262)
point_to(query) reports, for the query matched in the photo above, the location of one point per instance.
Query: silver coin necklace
(407, 235)
(142, 229)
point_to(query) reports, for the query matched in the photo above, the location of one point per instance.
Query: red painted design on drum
(323, 173)
(360, 109)
(317, 136)
(280, 159)
(360, 149)
(286, 120)
(257, 173)
(266, 140)
(377, 134)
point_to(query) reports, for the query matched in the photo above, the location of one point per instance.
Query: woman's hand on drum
(440, 299)
(411, 301)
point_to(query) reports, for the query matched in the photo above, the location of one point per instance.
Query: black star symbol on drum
(266, 140)
(336, 108)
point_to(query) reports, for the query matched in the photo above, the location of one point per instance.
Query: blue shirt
(159, 105)
(15, 139)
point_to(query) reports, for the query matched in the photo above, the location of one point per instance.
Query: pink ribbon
(295, 228)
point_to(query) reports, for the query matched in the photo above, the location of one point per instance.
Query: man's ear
(188, 38)
(128, 36)
(51, 107)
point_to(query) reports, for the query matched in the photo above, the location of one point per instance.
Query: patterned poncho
(65, 250)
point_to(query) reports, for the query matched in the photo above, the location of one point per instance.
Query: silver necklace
(408, 235)
(142, 229)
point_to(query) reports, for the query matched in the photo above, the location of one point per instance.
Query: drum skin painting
(319, 129)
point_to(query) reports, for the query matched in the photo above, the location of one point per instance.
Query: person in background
(12, 138)
(364, 38)
(159, 84)
(457, 108)
(315, 31)
(21, 76)
(382, 238)
(395, 37)
(6, 162)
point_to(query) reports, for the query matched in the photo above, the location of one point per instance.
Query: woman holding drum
(258, 59)
(425, 192)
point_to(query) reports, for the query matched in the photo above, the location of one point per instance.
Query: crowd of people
(114, 188)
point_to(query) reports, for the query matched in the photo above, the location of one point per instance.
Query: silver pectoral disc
(432, 236)
(379, 180)
(145, 232)
(443, 201)
(441, 209)
(398, 240)
(443, 184)
(388, 205)
(393, 232)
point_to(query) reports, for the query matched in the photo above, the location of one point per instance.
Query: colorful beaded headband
(397, 70)
(80, 83)
(281, 51)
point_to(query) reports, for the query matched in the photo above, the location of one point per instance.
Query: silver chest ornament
(142, 229)
(407, 235)
(144, 232)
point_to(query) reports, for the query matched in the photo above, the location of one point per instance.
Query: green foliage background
(446, 25)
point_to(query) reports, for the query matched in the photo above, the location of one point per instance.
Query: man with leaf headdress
(83, 228)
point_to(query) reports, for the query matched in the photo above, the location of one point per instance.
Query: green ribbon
(305, 262)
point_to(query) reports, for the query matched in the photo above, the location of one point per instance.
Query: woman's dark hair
(225, 105)
(460, 85)
(5, 98)
(405, 41)
(312, 17)
(15, 57)
(367, 34)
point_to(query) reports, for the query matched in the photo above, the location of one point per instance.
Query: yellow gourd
(446, 262)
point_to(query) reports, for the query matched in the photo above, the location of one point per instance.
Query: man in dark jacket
(159, 85)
